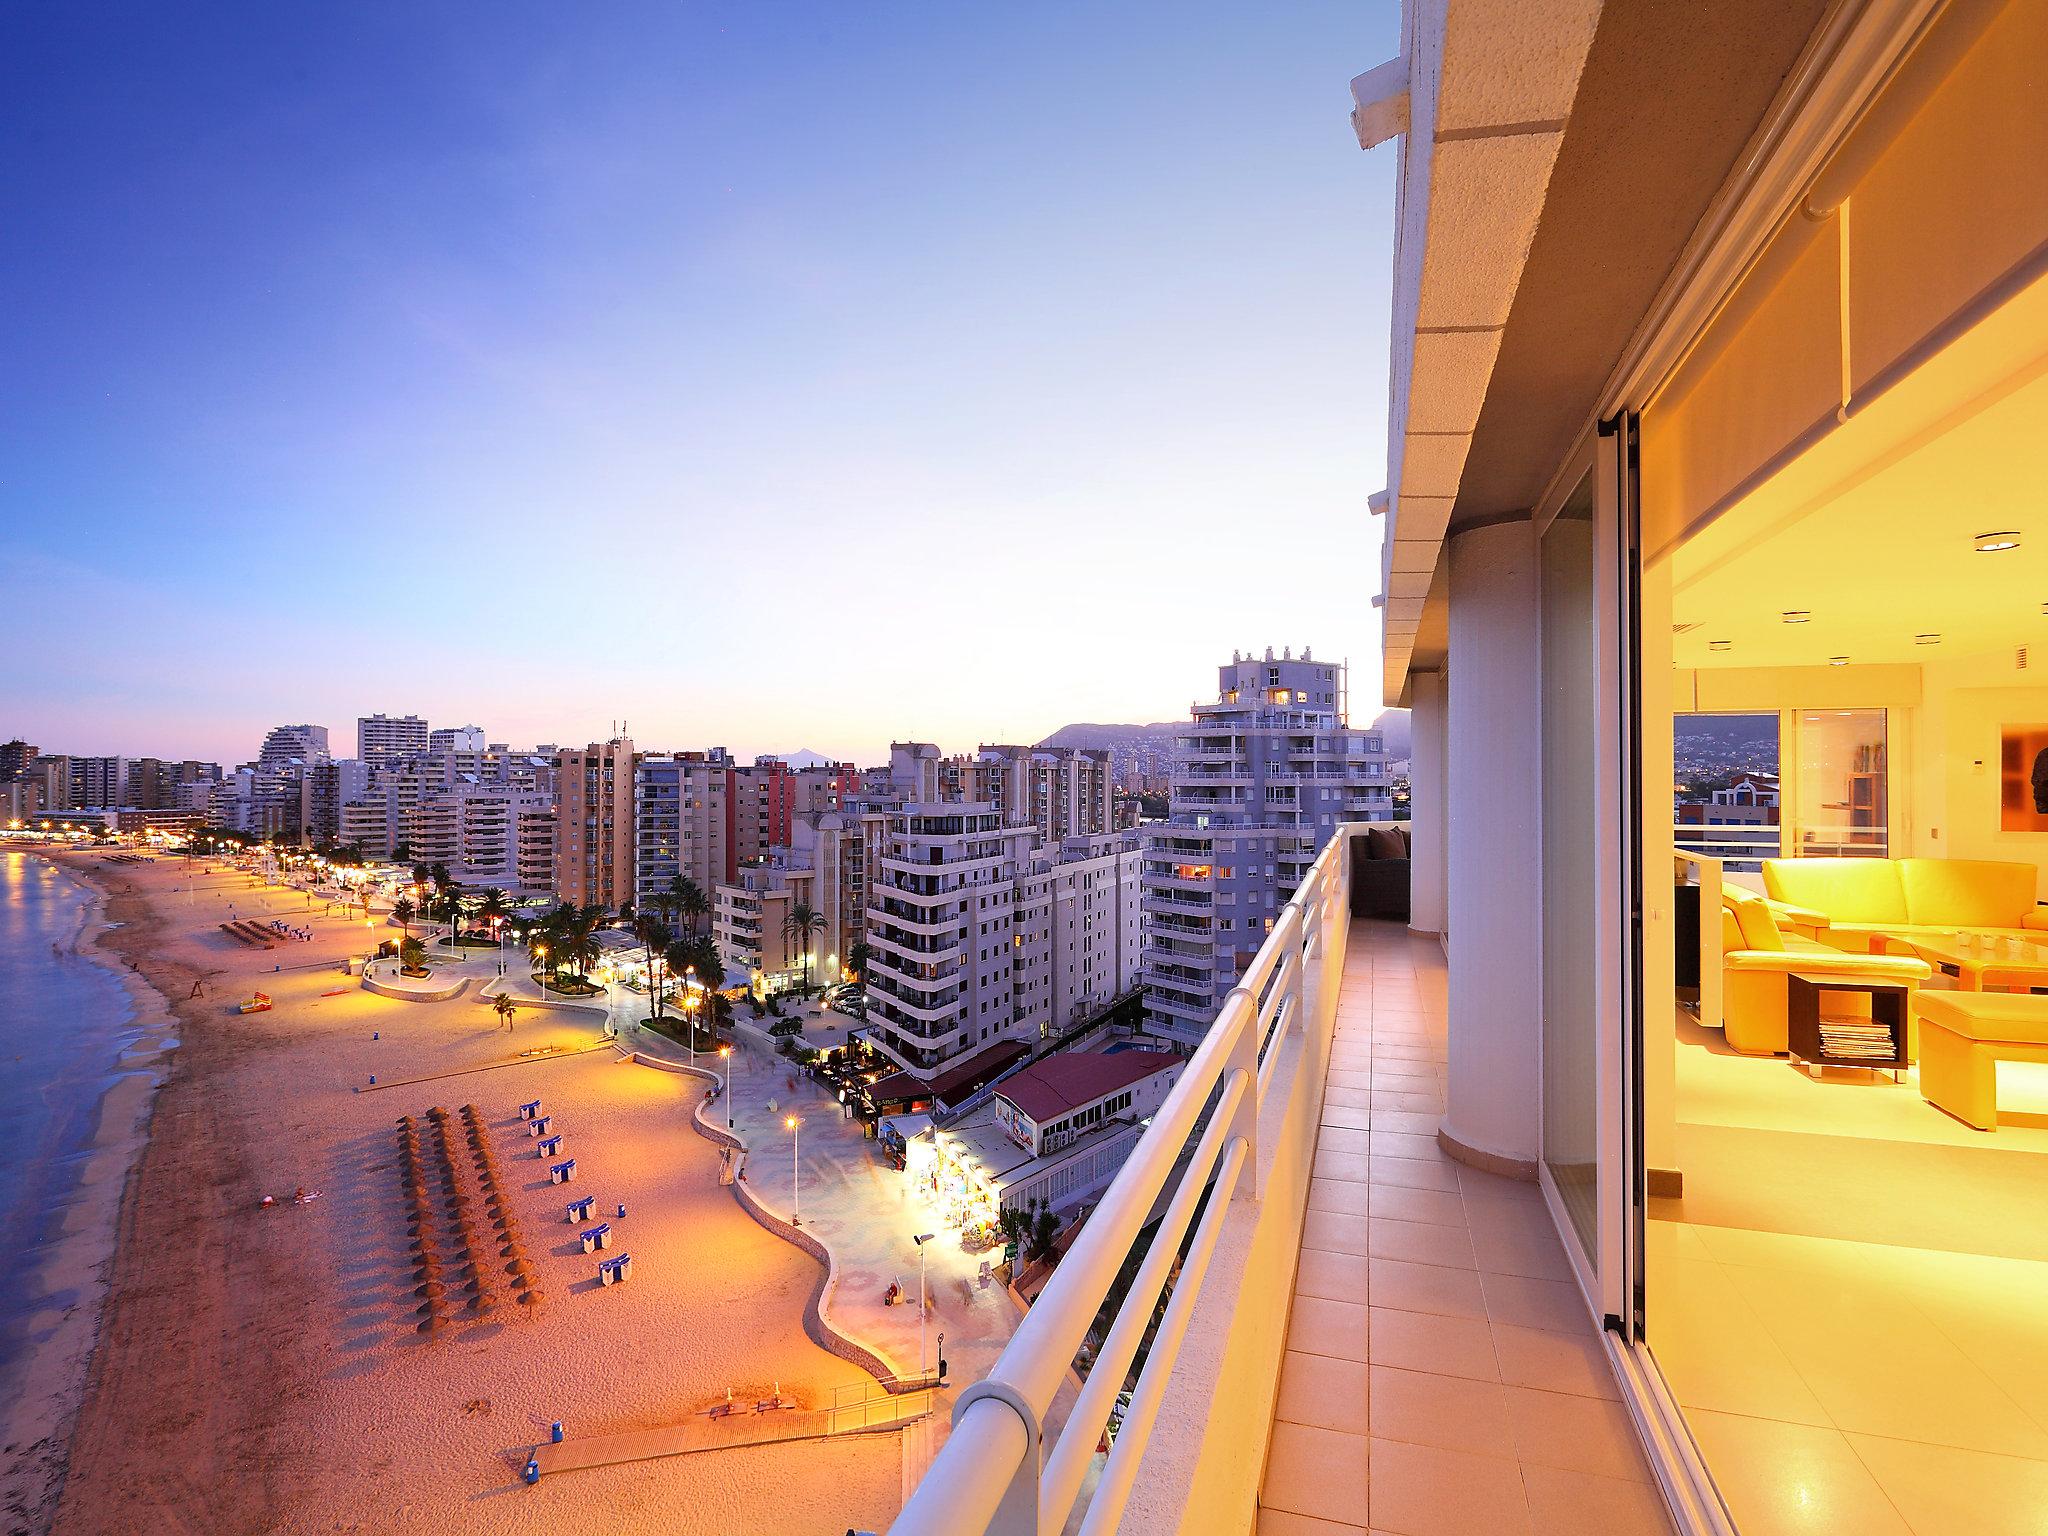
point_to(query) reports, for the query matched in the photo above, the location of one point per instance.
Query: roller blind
(1936, 216)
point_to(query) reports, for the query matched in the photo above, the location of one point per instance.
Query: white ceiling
(1877, 543)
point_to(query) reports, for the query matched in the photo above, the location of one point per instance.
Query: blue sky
(773, 375)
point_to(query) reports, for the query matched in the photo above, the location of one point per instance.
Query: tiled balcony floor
(1442, 1376)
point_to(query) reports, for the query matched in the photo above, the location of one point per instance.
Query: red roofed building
(1054, 1102)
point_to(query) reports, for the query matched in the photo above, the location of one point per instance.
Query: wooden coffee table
(1974, 963)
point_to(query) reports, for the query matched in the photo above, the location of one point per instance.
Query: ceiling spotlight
(1992, 543)
(1838, 661)
(1795, 616)
(1927, 639)
(1718, 645)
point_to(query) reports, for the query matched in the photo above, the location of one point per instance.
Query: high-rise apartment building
(98, 782)
(1262, 778)
(154, 783)
(976, 934)
(386, 741)
(682, 816)
(594, 830)
(1063, 791)
(293, 744)
(15, 758)
(488, 835)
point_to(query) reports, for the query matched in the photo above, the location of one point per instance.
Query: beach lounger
(580, 1210)
(563, 1173)
(548, 1146)
(529, 1110)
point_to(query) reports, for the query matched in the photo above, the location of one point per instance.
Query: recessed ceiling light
(1838, 661)
(1718, 645)
(1927, 639)
(1992, 543)
(1796, 615)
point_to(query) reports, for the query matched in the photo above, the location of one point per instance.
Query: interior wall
(1955, 772)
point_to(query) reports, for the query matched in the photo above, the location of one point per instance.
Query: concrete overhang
(1490, 84)
(1559, 156)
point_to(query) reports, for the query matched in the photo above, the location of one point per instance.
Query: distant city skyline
(780, 377)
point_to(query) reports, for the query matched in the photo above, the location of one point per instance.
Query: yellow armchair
(1756, 957)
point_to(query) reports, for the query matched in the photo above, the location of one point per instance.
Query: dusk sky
(769, 375)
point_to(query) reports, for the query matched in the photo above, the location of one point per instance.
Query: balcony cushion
(1969, 893)
(1384, 842)
(1848, 890)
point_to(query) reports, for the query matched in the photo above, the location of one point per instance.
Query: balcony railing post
(1241, 1013)
(1017, 1514)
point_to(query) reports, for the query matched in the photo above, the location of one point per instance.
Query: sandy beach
(261, 1369)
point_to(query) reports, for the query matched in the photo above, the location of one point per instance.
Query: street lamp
(690, 1008)
(540, 971)
(921, 1239)
(726, 1052)
(796, 1127)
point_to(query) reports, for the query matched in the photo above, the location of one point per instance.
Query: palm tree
(689, 901)
(803, 921)
(404, 911)
(412, 956)
(450, 905)
(504, 1005)
(655, 937)
(699, 954)
(493, 905)
(578, 938)
(857, 963)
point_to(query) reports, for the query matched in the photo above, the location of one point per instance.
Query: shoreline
(155, 1258)
(74, 1269)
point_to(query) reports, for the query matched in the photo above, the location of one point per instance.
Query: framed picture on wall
(2023, 778)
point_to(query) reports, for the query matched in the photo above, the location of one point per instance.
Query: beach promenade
(852, 1200)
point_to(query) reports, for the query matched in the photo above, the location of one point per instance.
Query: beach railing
(996, 1475)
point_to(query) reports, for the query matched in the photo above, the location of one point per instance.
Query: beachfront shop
(959, 1187)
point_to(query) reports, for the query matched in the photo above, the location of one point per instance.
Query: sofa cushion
(1969, 893)
(1848, 890)
(1753, 918)
(1383, 842)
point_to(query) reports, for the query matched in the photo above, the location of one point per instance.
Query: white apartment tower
(1262, 778)
(976, 934)
(385, 741)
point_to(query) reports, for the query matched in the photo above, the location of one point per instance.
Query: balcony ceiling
(1572, 150)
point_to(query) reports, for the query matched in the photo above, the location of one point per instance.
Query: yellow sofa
(1758, 953)
(1864, 897)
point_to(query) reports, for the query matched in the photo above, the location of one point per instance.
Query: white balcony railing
(996, 1475)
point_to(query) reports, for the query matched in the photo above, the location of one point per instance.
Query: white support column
(1493, 767)
(1426, 805)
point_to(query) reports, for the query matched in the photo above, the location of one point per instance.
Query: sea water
(66, 1022)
